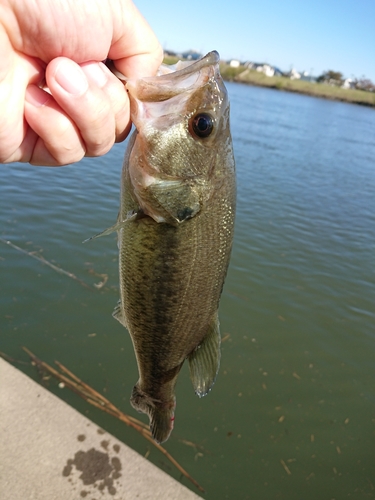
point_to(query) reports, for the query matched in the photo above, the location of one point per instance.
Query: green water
(291, 415)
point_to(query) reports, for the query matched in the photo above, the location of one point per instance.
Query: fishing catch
(175, 231)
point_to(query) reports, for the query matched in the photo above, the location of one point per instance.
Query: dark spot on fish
(100, 431)
(116, 448)
(184, 213)
(81, 437)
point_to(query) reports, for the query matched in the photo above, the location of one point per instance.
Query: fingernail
(96, 72)
(71, 78)
(36, 96)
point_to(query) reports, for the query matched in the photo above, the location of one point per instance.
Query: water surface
(292, 413)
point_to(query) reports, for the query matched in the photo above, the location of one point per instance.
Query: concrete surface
(49, 451)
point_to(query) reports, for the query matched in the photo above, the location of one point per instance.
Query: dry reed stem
(45, 261)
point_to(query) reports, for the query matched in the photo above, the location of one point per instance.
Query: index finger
(135, 49)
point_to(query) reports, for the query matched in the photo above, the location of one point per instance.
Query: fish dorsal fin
(204, 361)
(119, 314)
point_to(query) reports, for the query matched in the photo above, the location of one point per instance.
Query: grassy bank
(253, 77)
(170, 60)
(282, 83)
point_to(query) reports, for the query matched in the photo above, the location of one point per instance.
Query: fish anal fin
(204, 361)
(118, 314)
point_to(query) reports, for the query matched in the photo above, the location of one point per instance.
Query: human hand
(84, 108)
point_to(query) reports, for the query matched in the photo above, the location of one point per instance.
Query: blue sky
(309, 35)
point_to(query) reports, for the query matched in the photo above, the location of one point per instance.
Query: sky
(313, 36)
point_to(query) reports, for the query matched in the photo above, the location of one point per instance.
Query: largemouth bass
(175, 232)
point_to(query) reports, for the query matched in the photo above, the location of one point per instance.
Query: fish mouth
(183, 68)
(167, 95)
(174, 80)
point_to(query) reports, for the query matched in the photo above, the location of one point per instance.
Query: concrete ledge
(49, 451)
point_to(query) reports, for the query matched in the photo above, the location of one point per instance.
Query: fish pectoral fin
(118, 314)
(204, 361)
(131, 216)
(178, 198)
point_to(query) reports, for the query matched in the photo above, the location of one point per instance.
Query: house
(278, 72)
(191, 55)
(266, 69)
(234, 63)
(294, 75)
(249, 65)
(170, 53)
(348, 83)
(307, 77)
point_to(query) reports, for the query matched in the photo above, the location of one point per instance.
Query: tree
(364, 84)
(331, 77)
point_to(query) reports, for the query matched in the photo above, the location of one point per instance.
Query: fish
(175, 231)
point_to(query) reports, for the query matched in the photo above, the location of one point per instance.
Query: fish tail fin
(204, 361)
(161, 415)
(161, 423)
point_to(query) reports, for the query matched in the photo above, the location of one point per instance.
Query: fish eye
(202, 124)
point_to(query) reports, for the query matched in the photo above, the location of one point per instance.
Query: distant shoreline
(252, 77)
